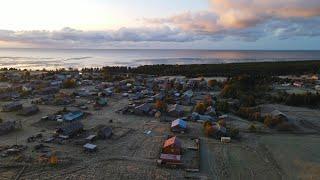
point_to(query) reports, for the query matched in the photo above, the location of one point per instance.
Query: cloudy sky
(194, 24)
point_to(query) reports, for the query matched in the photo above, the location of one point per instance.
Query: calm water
(53, 58)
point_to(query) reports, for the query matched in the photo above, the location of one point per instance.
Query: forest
(231, 69)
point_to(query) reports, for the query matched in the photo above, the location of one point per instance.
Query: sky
(163, 24)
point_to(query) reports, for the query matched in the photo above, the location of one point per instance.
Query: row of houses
(17, 106)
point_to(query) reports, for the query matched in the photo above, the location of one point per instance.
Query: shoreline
(222, 69)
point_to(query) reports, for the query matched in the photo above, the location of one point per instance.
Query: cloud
(250, 20)
(247, 13)
(68, 36)
(245, 20)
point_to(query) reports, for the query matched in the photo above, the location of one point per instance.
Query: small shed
(91, 138)
(90, 147)
(225, 139)
(172, 146)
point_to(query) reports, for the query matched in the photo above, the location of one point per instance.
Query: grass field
(298, 156)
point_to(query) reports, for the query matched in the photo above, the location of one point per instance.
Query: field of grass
(297, 156)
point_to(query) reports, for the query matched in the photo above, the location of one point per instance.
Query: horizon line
(171, 49)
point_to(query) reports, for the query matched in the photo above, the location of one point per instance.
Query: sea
(80, 58)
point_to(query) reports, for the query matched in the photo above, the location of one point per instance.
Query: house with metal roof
(178, 125)
(73, 116)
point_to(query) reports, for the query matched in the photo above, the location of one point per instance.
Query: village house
(315, 77)
(143, 109)
(192, 83)
(73, 116)
(198, 117)
(4, 86)
(70, 129)
(187, 97)
(298, 84)
(276, 114)
(175, 110)
(105, 133)
(218, 131)
(57, 83)
(27, 87)
(147, 92)
(9, 96)
(211, 111)
(172, 146)
(7, 127)
(137, 96)
(101, 102)
(178, 125)
(149, 83)
(48, 90)
(29, 110)
(160, 96)
(108, 91)
(82, 93)
(13, 106)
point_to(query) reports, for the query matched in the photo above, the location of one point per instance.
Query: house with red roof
(172, 146)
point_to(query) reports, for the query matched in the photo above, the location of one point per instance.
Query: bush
(252, 128)
(229, 91)
(208, 130)
(268, 121)
(234, 132)
(285, 126)
(200, 108)
(208, 101)
(252, 114)
(222, 106)
(248, 101)
(222, 123)
(271, 122)
(212, 83)
(161, 106)
(69, 83)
